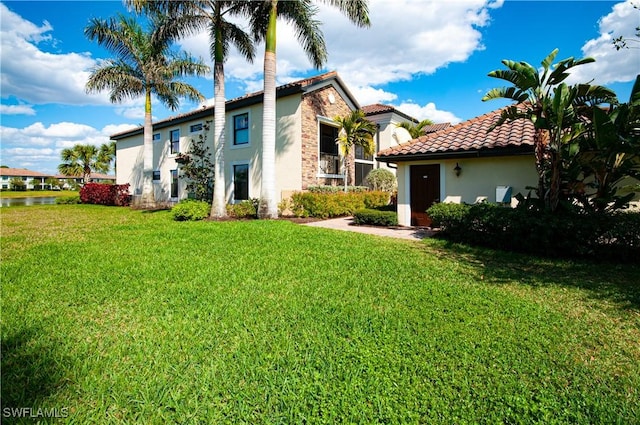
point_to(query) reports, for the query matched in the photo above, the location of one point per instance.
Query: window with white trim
(194, 128)
(156, 176)
(174, 138)
(174, 183)
(363, 165)
(329, 158)
(241, 129)
(157, 137)
(240, 182)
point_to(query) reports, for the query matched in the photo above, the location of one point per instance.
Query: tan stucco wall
(477, 181)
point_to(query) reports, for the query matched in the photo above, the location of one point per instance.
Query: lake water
(14, 202)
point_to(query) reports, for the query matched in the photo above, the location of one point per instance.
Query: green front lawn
(123, 316)
(37, 193)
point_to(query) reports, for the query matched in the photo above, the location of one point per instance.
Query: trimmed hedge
(336, 189)
(327, 205)
(613, 236)
(68, 200)
(244, 209)
(105, 194)
(375, 217)
(190, 210)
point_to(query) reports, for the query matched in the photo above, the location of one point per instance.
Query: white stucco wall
(477, 181)
(129, 152)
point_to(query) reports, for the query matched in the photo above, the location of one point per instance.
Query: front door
(425, 190)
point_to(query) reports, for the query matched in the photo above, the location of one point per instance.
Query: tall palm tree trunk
(268, 207)
(218, 207)
(148, 197)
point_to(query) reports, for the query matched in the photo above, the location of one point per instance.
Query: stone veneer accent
(314, 104)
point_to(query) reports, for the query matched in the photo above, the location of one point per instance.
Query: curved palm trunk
(148, 197)
(219, 207)
(268, 207)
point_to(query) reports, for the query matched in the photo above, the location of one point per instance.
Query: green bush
(375, 217)
(614, 236)
(381, 179)
(447, 215)
(244, 209)
(190, 210)
(326, 205)
(336, 189)
(68, 200)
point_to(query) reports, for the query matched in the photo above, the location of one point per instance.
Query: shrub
(326, 205)
(375, 217)
(336, 189)
(244, 209)
(381, 179)
(68, 200)
(105, 194)
(614, 236)
(447, 215)
(190, 210)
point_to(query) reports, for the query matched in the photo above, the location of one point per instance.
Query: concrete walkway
(346, 224)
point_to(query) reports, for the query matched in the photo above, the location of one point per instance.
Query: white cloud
(611, 65)
(17, 110)
(42, 144)
(428, 111)
(36, 76)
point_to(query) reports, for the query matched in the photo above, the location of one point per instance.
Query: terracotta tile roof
(255, 96)
(21, 172)
(436, 127)
(469, 137)
(379, 108)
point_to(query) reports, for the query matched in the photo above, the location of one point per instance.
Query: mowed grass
(37, 193)
(123, 316)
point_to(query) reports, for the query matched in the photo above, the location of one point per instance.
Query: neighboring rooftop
(469, 138)
(379, 108)
(23, 172)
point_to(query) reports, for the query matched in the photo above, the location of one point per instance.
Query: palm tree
(82, 160)
(300, 13)
(107, 154)
(222, 34)
(552, 106)
(415, 130)
(144, 65)
(355, 130)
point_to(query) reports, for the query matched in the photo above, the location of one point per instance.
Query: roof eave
(478, 153)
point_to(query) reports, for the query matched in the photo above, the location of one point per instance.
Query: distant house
(32, 179)
(35, 180)
(306, 149)
(463, 163)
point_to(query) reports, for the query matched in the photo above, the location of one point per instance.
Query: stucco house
(306, 152)
(463, 163)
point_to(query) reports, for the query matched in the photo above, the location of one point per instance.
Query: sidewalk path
(346, 224)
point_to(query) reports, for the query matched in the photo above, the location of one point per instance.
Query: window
(329, 158)
(364, 164)
(156, 175)
(174, 136)
(174, 183)
(156, 137)
(241, 182)
(195, 128)
(241, 129)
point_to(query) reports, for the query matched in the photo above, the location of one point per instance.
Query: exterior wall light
(457, 170)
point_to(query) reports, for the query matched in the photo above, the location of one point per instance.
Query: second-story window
(174, 136)
(241, 129)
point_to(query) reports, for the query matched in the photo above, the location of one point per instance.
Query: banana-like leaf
(513, 93)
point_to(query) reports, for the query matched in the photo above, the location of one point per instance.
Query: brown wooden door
(425, 190)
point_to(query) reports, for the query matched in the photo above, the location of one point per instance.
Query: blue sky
(429, 59)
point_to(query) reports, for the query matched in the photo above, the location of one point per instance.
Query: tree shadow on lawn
(616, 283)
(29, 371)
